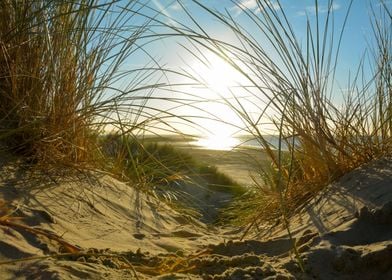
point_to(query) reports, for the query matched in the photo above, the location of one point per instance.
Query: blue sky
(357, 32)
(357, 38)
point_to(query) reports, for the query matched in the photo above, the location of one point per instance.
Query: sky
(172, 53)
(357, 30)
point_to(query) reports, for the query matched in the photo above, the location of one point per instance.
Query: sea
(239, 142)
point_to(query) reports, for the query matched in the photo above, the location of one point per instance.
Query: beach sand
(91, 226)
(239, 164)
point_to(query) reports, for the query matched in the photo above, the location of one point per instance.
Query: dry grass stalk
(318, 141)
(59, 62)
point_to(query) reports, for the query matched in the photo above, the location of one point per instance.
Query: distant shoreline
(239, 163)
(248, 142)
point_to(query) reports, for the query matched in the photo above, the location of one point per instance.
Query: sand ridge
(124, 234)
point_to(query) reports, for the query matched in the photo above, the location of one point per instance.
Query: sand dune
(95, 227)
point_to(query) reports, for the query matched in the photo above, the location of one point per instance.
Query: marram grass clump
(56, 64)
(152, 165)
(170, 174)
(291, 81)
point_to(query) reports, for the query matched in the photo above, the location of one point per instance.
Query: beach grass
(322, 140)
(164, 171)
(61, 62)
(59, 65)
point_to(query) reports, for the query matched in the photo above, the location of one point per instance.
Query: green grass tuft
(165, 171)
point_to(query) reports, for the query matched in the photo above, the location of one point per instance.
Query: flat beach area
(239, 164)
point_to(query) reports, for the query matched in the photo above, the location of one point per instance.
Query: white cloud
(249, 4)
(322, 9)
(253, 6)
(176, 7)
(164, 11)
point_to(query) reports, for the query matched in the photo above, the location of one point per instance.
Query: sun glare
(219, 135)
(216, 74)
(221, 121)
(217, 142)
(220, 95)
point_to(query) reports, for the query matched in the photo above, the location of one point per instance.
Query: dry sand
(117, 232)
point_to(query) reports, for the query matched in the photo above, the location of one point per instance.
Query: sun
(220, 92)
(216, 74)
(219, 133)
(218, 142)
